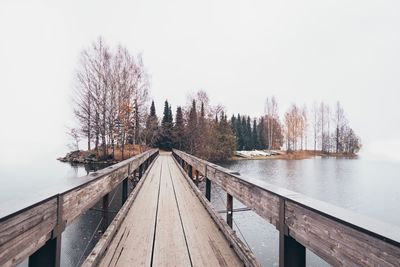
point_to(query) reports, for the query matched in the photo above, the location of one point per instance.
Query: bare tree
(271, 110)
(75, 136)
(315, 123)
(339, 120)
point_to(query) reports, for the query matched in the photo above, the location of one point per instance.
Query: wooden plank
(24, 233)
(170, 247)
(336, 242)
(244, 253)
(260, 201)
(81, 199)
(132, 245)
(98, 251)
(376, 243)
(207, 245)
(197, 163)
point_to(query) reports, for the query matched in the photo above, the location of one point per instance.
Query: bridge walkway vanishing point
(167, 225)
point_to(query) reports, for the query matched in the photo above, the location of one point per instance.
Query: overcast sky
(240, 52)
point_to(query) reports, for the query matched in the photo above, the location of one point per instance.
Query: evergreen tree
(151, 132)
(255, 142)
(249, 141)
(261, 134)
(192, 132)
(179, 129)
(222, 140)
(166, 135)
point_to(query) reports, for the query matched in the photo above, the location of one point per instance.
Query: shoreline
(297, 155)
(92, 156)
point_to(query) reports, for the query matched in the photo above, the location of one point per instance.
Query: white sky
(240, 52)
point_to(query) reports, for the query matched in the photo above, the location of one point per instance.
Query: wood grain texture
(260, 201)
(24, 233)
(337, 243)
(167, 226)
(338, 236)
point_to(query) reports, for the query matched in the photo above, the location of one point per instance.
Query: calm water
(367, 187)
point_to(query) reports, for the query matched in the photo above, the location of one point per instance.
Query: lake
(366, 187)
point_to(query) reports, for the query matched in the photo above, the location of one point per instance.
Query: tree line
(111, 108)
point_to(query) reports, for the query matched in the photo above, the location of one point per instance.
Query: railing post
(291, 252)
(47, 255)
(208, 189)
(50, 253)
(196, 182)
(140, 171)
(124, 190)
(105, 205)
(190, 172)
(229, 209)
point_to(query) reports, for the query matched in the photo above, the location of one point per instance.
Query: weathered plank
(207, 245)
(197, 163)
(98, 251)
(261, 201)
(23, 233)
(167, 226)
(84, 197)
(133, 242)
(338, 236)
(337, 243)
(170, 247)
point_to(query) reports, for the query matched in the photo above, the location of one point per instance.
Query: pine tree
(151, 132)
(179, 129)
(261, 134)
(255, 142)
(166, 136)
(222, 140)
(192, 129)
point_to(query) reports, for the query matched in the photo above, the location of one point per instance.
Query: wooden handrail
(37, 229)
(338, 236)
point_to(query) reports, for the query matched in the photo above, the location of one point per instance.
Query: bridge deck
(168, 226)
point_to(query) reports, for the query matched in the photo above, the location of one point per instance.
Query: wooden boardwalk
(167, 225)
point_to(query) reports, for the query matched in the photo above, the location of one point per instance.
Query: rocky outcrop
(82, 157)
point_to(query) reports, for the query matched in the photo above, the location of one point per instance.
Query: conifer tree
(151, 132)
(166, 135)
(192, 129)
(179, 129)
(255, 135)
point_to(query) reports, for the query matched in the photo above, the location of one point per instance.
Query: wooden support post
(124, 190)
(196, 182)
(48, 255)
(208, 189)
(229, 209)
(105, 205)
(291, 252)
(190, 172)
(140, 171)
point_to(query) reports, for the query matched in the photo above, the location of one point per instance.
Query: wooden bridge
(166, 221)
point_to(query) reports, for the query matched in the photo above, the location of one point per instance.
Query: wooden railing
(35, 231)
(338, 236)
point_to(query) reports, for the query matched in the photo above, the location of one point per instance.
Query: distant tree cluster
(199, 129)
(110, 97)
(331, 131)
